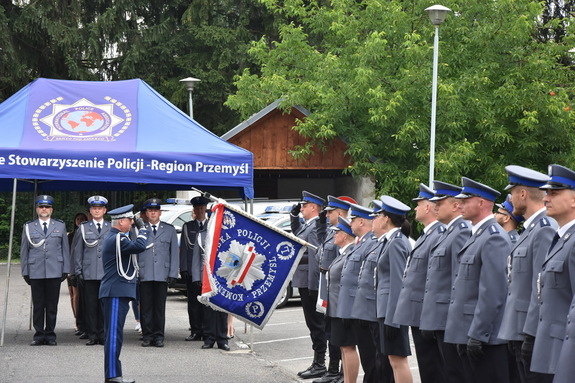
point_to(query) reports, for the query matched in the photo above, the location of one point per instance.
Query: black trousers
(334, 351)
(80, 322)
(376, 366)
(153, 297)
(195, 308)
(491, 368)
(115, 311)
(313, 319)
(452, 363)
(45, 297)
(522, 367)
(215, 326)
(428, 358)
(93, 315)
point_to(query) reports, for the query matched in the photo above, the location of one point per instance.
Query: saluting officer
(306, 279)
(45, 261)
(480, 288)
(118, 285)
(89, 267)
(410, 301)
(557, 279)
(441, 270)
(190, 232)
(524, 264)
(507, 220)
(158, 266)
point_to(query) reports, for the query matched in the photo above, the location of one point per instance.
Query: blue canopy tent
(118, 135)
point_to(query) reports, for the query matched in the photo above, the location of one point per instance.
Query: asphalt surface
(274, 354)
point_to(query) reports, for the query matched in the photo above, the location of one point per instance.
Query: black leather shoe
(84, 336)
(316, 371)
(306, 370)
(78, 332)
(194, 337)
(51, 342)
(159, 343)
(146, 343)
(119, 379)
(328, 377)
(224, 347)
(37, 343)
(92, 342)
(205, 346)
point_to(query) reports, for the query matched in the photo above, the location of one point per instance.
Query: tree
(363, 69)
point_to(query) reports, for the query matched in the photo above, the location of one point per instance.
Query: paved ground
(279, 351)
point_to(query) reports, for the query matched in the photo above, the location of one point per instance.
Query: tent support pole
(33, 215)
(12, 218)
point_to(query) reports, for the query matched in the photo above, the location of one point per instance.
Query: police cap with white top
(393, 206)
(336, 203)
(508, 207)
(519, 175)
(358, 211)
(153, 203)
(377, 207)
(424, 193)
(44, 200)
(97, 200)
(444, 190)
(473, 188)
(122, 212)
(308, 197)
(343, 225)
(560, 178)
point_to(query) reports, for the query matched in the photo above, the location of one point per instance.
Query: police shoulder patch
(58, 220)
(398, 234)
(463, 225)
(441, 229)
(493, 229)
(544, 222)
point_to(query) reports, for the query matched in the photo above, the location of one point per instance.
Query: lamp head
(437, 14)
(189, 82)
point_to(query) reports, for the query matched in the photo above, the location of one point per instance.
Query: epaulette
(84, 222)
(463, 225)
(32, 220)
(544, 222)
(441, 229)
(513, 237)
(493, 230)
(58, 220)
(398, 234)
(167, 224)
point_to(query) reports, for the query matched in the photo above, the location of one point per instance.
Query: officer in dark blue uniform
(118, 285)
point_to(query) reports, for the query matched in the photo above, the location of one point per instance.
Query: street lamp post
(437, 14)
(190, 82)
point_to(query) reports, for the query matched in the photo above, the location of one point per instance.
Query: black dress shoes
(37, 343)
(51, 342)
(92, 342)
(84, 336)
(159, 343)
(224, 347)
(146, 343)
(205, 346)
(119, 379)
(78, 332)
(194, 337)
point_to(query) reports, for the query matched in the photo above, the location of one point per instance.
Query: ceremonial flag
(248, 264)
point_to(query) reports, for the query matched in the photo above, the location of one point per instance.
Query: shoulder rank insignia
(398, 234)
(493, 230)
(463, 225)
(441, 229)
(58, 220)
(544, 222)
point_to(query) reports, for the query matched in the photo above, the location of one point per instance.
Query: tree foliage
(364, 70)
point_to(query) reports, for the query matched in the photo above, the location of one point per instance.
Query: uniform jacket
(565, 370)
(513, 236)
(190, 231)
(113, 284)
(326, 253)
(52, 258)
(390, 266)
(307, 273)
(334, 279)
(524, 265)
(198, 256)
(160, 260)
(350, 275)
(364, 306)
(441, 270)
(557, 291)
(87, 250)
(480, 287)
(410, 301)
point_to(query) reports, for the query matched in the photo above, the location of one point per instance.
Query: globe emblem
(82, 121)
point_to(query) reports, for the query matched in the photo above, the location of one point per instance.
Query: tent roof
(120, 132)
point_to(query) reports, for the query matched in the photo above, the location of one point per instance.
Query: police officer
(524, 264)
(89, 268)
(557, 279)
(340, 331)
(45, 261)
(190, 231)
(394, 338)
(441, 270)
(306, 279)
(480, 288)
(507, 220)
(118, 285)
(410, 301)
(158, 266)
(326, 253)
(565, 367)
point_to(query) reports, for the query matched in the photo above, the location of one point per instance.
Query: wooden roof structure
(269, 135)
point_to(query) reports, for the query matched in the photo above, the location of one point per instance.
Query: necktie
(554, 242)
(45, 227)
(154, 229)
(201, 226)
(99, 228)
